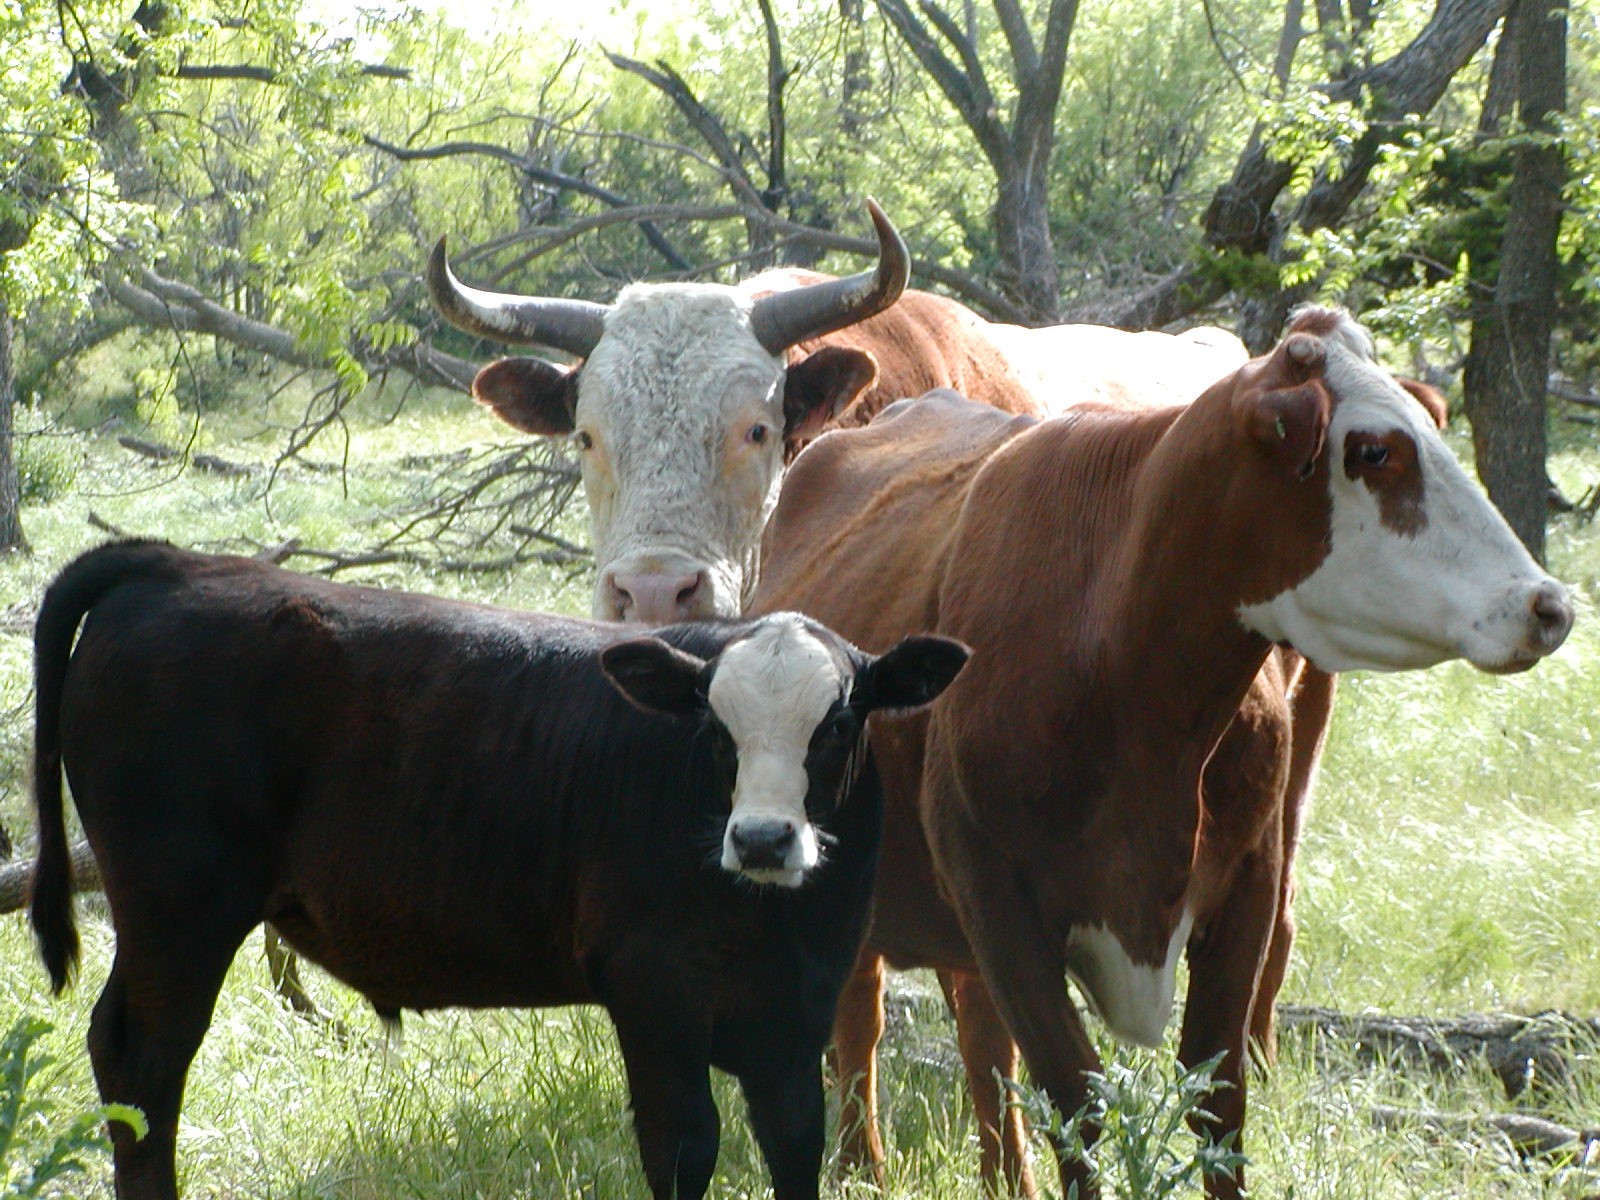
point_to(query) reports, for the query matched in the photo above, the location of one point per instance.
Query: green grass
(1448, 867)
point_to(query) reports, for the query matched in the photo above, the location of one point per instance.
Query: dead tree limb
(1522, 1050)
(1528, 1135)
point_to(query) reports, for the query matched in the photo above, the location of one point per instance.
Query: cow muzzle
(768, 849)
(657, 590)
(1542, 613)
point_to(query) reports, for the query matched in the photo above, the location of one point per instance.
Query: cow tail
(67, 601)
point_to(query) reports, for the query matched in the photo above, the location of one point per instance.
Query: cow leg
(989, 1056)
(1311, 709)
(1225, 961)
(1021, 961)
(783, 1088)
(147, 1026)
(857, 1028)
(666, 1048)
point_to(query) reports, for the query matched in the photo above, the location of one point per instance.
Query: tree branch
(538, 174)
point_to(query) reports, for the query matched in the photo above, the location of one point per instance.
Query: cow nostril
(1552, 610)
(763, 844)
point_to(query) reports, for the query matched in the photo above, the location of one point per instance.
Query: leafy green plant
(1143, 1151)
(34, 1151)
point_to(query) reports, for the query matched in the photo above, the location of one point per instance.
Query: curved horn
(571, 325)
(784, 318)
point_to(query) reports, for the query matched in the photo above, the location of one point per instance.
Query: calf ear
(819, 387)
(914, 673)
(529, 394)
(1292, 424)
(654, 676)
(1430, 397)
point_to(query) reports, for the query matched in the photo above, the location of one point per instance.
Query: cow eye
(1374, 454)
(583, 440)
(758, 434)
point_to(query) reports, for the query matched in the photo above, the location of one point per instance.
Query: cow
(1126, 579)
(447, 804)
(691, 398)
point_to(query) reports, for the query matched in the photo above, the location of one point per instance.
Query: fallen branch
(1520, 1050)
(203, 462)
(16, 879)
(1528, 1135)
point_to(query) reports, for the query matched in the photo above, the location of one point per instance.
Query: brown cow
(1122, 578)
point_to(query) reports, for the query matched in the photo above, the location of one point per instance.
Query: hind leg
(147, 1025)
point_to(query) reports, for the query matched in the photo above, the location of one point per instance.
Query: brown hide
(1032, 541)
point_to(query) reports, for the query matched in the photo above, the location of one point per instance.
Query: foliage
(34, 1152)
(1139, 1115)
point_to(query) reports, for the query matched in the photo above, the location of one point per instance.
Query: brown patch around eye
(1387, 463)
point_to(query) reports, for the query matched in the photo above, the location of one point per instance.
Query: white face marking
(1134, 1001)
(676, 489)
(1460, 586)
(771, 690)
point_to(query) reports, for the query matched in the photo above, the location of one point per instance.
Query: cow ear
(1291, 423)
(656, 677)
(529, 394)
(1430, 397)
(820, 386)
(914, 673)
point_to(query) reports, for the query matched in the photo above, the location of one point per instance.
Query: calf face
(787, 703)
(1418, 566)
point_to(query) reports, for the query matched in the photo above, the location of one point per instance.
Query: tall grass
(1448, 866)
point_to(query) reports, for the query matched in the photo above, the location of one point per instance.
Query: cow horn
(784, 318)
(574, 326)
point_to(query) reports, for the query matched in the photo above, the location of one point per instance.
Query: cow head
(1417, 566)
(787, 701)
(680, 414)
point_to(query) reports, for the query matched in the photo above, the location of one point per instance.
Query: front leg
(1022, 963)
(1225, 969)
(782, 1085)
(665, 1037)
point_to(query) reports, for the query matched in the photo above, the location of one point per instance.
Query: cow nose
(763, 845)
(1552, 613)
(659, 598)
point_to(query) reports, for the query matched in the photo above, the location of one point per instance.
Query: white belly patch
(1134, 1001)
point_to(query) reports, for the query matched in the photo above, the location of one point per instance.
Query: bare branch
(537, 173)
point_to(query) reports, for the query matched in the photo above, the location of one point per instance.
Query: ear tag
(1279, 426)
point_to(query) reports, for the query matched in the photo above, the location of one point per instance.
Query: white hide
(771, 690)
(1067, 365)
(1462, 586)
(1134, 1000)
(678, 380)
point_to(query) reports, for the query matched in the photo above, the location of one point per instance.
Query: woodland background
(213, 218)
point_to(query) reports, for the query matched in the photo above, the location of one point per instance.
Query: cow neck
(1214, 522)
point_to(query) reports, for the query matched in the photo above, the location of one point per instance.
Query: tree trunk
(1508, 363)
(11, 537)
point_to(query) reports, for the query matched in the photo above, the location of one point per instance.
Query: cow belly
(453, 952)
(1133, 999)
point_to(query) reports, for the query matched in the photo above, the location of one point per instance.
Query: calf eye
(582, 440)
(1374, 454)
(758, 434)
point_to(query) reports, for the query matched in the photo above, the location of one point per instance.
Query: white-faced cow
(449, 804)
(1071, 806)
(692, 397)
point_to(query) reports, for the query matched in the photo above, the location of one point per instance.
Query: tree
(1508, 364)
(1017, 148)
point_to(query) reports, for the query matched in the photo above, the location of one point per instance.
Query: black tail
(82, 585)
